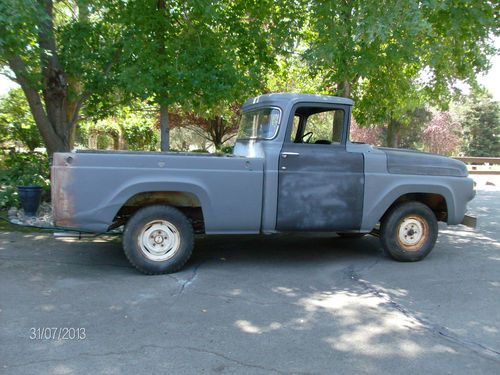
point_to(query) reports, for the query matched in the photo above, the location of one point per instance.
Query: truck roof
(286, 98)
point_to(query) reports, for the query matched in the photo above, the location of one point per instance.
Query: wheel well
(187, 203)
(436, 202)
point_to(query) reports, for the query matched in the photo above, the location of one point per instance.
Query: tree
(410, 135)
(388, 56)
(16, 121)
(441, 134)
(292, 74)
(61, 57)
(202, 56)
(368, 134)
(392, 103)
(479, 116)
(216, 129)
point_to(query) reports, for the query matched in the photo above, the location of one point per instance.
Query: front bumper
(469, 221)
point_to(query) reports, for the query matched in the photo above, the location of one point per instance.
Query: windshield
(259, 124)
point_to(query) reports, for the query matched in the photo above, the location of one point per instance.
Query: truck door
(321, 185)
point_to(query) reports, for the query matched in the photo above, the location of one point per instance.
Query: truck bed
(90, 187)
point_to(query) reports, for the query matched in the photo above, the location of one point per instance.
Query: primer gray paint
(382, 188)
(420, 163)
(98, 185)
(320, 188)
(331, 187)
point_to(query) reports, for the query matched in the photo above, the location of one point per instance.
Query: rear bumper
(469, 221)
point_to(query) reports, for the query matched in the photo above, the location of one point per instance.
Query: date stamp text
(57, 333)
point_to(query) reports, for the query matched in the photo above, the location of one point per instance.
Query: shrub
(227, 149)
(17, 169)
(104, 133)
(140, 134)
(16, 122)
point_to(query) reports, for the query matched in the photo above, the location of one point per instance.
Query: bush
(18, 169)
(227, 149)
(17, 125)
(104, 133)
(140, 134)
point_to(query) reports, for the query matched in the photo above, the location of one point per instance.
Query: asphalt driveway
(255, 305)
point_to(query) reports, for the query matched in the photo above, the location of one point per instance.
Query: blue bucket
(30, 198)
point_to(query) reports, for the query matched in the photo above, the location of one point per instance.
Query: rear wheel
(409, 231)
(158, 239)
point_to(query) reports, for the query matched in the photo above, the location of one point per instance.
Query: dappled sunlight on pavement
(283, 304)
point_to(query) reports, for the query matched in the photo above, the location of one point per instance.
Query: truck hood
(401, 161)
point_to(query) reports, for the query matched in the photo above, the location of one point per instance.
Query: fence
(478, 165)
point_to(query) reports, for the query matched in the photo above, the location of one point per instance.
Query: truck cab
(316, 180)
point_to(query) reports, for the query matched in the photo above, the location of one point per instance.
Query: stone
(43, 218)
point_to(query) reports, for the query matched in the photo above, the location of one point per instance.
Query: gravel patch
(42, 219)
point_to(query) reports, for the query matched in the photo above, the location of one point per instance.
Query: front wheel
(409, 231)
(158, 239)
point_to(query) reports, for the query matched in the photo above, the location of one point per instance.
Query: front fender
(383, 192)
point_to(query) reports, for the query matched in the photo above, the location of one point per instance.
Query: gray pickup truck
(293, 170)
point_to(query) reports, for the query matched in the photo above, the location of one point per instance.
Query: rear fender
(100, 218)
(153, 186)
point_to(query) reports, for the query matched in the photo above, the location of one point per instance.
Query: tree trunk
(164, 129)
(83, 9)
(121, 136)
(56, 116)
(216, 131)
(344, 90)
(392, 135)
(92, 141)
(51, 116)
(116, 141)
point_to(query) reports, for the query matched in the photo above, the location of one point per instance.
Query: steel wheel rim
(412, 232)
(159, 240)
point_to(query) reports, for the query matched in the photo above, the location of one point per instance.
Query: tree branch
(79, 104)
(201, 134)
(87, 94)
(48, 133)
(12, 78)
(47, 40)
(227, 139)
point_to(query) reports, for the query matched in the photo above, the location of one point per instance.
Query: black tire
(351, 235)
(417, 218)
(154, 223)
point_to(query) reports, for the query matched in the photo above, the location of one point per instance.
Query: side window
(321, 126)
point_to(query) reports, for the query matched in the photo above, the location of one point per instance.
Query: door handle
(287, 154)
